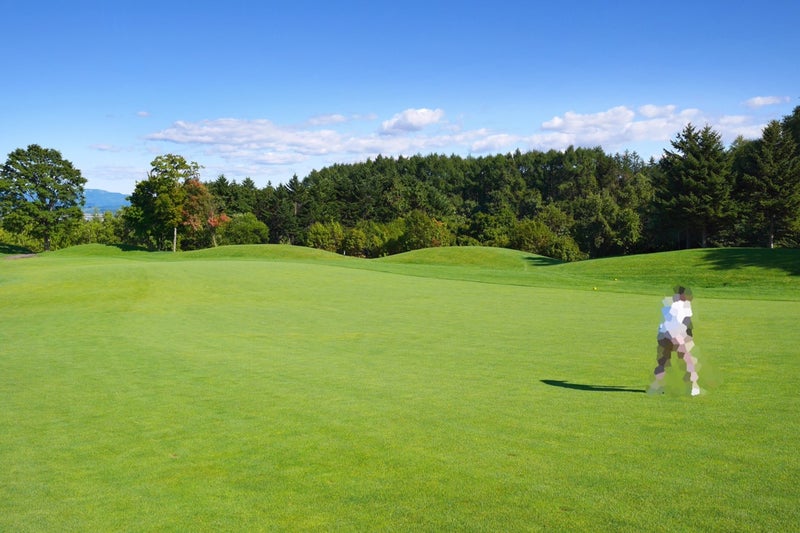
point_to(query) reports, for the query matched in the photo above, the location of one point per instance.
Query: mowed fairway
(280, 389)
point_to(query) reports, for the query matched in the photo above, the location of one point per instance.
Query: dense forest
(572, 204)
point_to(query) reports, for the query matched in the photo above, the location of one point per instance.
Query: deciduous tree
(156, 208)
(200, 215)
(40, 193)
(243, 228)
(423, 231)
(328, 236)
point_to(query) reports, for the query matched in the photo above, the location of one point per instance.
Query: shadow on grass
(13, 249)
(786, 259)
(581, 386)
(129, 248)
(542, 261)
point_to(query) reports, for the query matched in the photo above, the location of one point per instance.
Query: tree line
(572, 204)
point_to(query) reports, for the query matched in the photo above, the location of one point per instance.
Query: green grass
(277, 388)
(718, 272)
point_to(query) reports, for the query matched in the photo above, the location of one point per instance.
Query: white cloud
(412, 120)
(498, 142)
(732, 126)
(605, 120)
(264, 140)
(594, 129)
(761, 101)
(653, 111)
(143, 114)
(253, 146)
(620, 128)
(263, 149)
(223, 132)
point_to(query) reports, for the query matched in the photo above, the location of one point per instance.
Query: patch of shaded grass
(728, 259)
(723, 273)
(13, 249)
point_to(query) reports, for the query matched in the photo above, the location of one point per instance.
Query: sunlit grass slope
(727, 272)
(280, 389)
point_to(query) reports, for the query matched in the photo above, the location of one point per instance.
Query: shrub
(243, 229)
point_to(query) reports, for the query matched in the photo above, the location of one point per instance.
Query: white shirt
(674, 313)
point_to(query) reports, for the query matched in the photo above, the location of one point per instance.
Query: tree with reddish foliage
(156, 209)
(214, 223)
(200, 216)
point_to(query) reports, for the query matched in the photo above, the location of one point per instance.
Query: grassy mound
(482, 256)
(721, 272)
(274, 252)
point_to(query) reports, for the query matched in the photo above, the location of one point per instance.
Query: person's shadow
(581, 386)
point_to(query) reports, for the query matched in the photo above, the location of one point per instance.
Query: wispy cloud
(105, 147)
(324, 120)
(761, 101)
(143, 114)
(332, 119)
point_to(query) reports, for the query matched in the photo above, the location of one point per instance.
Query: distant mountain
(103, 201)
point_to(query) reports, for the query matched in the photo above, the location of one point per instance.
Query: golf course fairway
(276, 388)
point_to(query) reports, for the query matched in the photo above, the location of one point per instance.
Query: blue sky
(267, 90)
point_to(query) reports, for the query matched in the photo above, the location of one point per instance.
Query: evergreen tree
(774, 186)
(222, 190)
(288, 213)
(791, 123)
(695, 192)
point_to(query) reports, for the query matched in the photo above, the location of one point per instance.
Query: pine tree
(774, 186)
(696, 188)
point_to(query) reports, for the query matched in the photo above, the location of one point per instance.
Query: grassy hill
(471, 389)
(754, 273)
(720, 272)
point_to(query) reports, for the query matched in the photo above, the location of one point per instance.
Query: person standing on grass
(675, 335)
